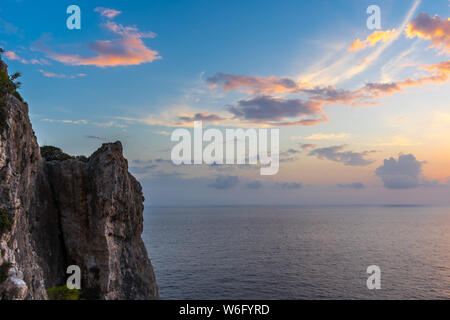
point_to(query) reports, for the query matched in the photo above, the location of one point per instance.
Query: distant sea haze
(299, 252)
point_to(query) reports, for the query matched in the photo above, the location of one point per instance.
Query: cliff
(78, 211)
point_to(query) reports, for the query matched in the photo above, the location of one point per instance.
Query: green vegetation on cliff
(6, 222)
(51, 153)
(8, 85)
(63, 293)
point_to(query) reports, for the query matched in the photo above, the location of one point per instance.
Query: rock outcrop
(80, 211)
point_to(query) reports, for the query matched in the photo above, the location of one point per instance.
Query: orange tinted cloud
(441, 74)
(373, 39)
(432, 28)
(128, 49)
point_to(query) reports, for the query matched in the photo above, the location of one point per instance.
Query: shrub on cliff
(51, 153)
(8, 85)
(63, 293)
(6, 222)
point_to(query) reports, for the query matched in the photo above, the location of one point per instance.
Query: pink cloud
(106, 12)
(128, 49)
(253, 84)
(14, 56)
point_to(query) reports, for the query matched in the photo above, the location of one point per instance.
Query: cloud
(201, 117)
(329, 94)
(51, 74)
(66, 121)
(95, 137)
(106, 12)
(128, 49)
(322, 136)
(8, 28)
(163, 133)
(432, 28)
(403, 173)
(290, 185)
(373, 39)
(441, 74)
(307, 146)
(345, 67)
(224, 182)
(142, 170)
(61, 75)
(268, 109)
(14, 56)
(253, 85)
(254, 185)
(290, 152)
(354, 185)
(348, 158)
(11, 55)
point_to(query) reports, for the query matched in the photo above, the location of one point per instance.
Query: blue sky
(77, 104)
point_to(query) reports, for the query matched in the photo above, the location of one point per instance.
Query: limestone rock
(85, 212)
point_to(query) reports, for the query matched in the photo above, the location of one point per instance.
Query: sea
(253, 252)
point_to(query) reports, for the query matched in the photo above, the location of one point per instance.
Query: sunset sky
(364, 115)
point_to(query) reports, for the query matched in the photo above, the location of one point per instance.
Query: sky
(364, 115)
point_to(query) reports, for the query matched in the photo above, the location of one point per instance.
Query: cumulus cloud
(224, 182)
(353, 185)
(403, 173)
(435, 29)
(348, 158)
(373, 39)
(251, 84)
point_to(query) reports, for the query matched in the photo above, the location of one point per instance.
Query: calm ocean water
(299, 253)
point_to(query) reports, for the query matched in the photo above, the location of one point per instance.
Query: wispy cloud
(345, 68)
(65, 121)
(373, 39)
(322, 136)
(61, 75)
(106, 12)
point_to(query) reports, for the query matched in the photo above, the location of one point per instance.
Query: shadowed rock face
(72, 212)
(100, 206)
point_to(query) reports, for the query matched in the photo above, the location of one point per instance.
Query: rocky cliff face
(84, 212)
